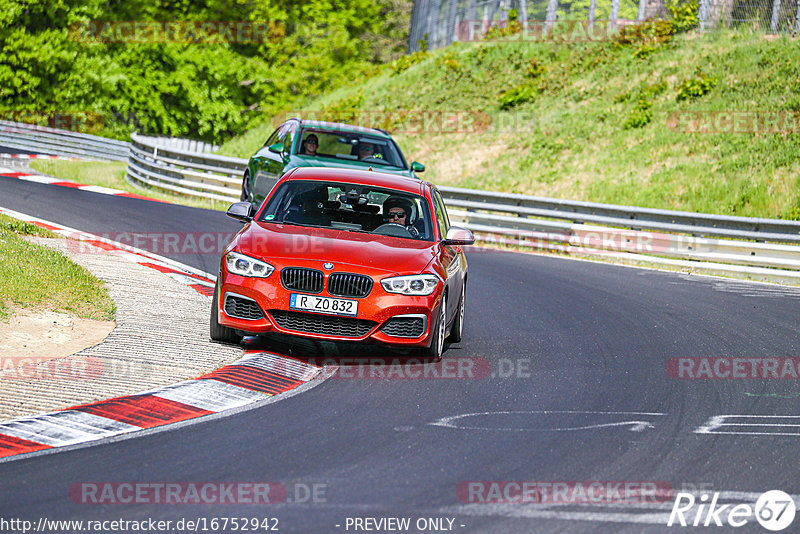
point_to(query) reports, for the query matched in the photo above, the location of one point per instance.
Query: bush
(345, 110)
(695, 87)
(512, 27)
(794, 213)
(182, 88)
(653, 90)
(648, 31)
(404, 62)
(517, 95)
(448, 61)
(641, 115)
(644, 50)
(684, 14)
(535, 69)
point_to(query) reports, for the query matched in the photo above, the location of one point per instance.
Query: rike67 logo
(774, 510)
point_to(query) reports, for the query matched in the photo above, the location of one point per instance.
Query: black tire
(216, 330)
(246, 188)
(457, 330)
(434, 352)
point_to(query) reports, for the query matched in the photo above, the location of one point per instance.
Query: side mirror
(241, 211)
(277, 148)
(416, 166)
(458, 236)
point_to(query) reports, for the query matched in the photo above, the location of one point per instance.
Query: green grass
(591, 121)
(112, 175)
(39, 277)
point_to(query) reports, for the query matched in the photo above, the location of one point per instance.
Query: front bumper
(374, 313)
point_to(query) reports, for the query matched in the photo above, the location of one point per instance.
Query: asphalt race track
(578, 391)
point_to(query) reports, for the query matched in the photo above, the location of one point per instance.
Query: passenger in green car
(365, 150)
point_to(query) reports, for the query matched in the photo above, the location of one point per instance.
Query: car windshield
(350, 146)
(349, 207)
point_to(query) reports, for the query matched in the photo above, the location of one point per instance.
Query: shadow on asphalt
(334, 353)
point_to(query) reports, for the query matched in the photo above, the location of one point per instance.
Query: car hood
(300, 243)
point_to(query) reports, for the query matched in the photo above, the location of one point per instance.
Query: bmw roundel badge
(327, 265)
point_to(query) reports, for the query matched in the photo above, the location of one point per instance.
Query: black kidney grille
(349, 285)
(299, 279)
(329, 325)
(404, 327)
(242, 308)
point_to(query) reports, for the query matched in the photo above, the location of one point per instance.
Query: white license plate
(323, 304)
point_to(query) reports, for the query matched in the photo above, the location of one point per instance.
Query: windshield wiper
(292, 223)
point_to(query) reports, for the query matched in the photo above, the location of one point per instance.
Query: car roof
(342, 127)
(374, 178)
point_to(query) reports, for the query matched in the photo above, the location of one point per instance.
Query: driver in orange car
(398, 211)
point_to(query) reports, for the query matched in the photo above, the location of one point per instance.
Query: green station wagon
(299, 143)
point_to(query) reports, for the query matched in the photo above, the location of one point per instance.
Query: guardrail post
(614, 14)
(430, 28)
(552, 14)
(702, 14)
(776, 12)
(451, 23)
(641, 12)
(797, 20)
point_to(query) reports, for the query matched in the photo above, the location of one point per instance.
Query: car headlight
(417, 284)
(247, 266)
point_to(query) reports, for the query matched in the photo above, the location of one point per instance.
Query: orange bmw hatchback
(345, 255)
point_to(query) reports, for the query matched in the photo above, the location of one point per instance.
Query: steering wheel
(393, 229)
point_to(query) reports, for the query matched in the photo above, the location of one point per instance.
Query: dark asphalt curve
(579, 391)
(12, 150)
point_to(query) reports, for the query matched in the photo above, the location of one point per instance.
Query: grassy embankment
(591, 121)
(38, 277)
(583, 121)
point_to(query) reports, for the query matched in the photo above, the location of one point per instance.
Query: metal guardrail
(56, 142)
(768, 245)
(524, 207)
(661, 236)
(184, 172)
(67, 143)
(530, 221)
(180, 143)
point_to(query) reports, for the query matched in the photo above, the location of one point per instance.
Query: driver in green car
(310, 145)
